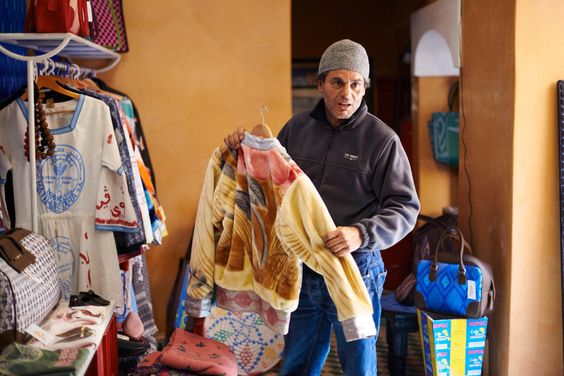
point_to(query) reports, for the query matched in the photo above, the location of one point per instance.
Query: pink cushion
(133, 326)
(188, 351)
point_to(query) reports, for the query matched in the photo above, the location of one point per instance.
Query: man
(361, 171)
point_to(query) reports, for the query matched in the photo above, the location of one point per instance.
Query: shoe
(87, 298)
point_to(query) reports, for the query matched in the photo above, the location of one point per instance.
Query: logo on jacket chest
(350, 156)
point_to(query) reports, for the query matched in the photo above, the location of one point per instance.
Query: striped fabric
(142, 289)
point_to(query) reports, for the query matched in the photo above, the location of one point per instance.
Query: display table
(102, 356)
(104, 360)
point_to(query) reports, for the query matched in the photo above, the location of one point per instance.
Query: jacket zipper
(323, 166)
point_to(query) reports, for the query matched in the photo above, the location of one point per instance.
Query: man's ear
(320, 86)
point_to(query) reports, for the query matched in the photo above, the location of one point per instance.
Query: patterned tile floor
(414, 362)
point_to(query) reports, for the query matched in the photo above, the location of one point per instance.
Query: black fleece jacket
(360, 170)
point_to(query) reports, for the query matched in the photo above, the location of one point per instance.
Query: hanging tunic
(131, 240)
(82, 193)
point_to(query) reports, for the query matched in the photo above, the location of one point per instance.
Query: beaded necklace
(44, 144)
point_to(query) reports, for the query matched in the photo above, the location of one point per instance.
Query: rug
(257, 347)
(413, 359)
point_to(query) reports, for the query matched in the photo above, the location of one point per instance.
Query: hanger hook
(52, 67)
(75, 71)
(43, 67)
(262, 109)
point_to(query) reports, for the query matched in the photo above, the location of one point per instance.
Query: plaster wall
(197, 71)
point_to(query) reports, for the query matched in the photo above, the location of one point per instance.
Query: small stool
(400, 320)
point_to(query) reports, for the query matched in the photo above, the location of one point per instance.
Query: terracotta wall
(536, 301)
(511, 58)
(196, 71)
(487, 125)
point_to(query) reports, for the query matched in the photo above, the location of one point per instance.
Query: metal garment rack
(65, 45)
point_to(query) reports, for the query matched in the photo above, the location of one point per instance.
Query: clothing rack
(50, 67)
(65, 45)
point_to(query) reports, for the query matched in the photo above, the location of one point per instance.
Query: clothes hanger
(88, 82)
(72, 77)
(52, 82)
(262, 130)
(46, 81)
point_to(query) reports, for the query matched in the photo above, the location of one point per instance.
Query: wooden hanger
(78, 84)
(90, 84)
(262, 130)
(50, 82)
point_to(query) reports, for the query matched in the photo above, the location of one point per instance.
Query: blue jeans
(308, 341)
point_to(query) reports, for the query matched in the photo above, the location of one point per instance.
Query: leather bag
(454, 284)
(27, 298)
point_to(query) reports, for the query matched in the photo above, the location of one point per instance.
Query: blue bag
(454, 284)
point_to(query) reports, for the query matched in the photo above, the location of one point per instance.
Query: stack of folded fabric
(25, 360)
(189, 354)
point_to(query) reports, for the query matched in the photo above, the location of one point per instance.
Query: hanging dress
(81, 190)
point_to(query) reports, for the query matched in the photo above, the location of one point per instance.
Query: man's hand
(344, 240)
(233, 140)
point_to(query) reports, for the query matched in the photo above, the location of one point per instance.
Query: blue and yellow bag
(454, 284)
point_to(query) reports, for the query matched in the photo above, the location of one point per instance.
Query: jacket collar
(318, 113)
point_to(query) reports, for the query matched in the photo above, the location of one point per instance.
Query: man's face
(342, 92)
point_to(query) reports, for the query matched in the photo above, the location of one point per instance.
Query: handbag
(111, 24)
(424, 239)
(27, 298)
(454, 284)
(58, 16)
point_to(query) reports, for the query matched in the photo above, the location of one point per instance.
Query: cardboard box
(452, 346)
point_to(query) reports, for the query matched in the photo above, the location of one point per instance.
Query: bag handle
(432, 220)
(83, 18)
(17, 234)
(29, 26)
(93, 30)
(13, 252)
(454, 233)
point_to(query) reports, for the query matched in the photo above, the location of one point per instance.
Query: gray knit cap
(345, 54)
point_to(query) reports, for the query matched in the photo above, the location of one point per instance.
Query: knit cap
(345, 54)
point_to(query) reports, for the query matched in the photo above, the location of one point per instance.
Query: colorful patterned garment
(193, 353)
(142, 290)
(135, 237)
(259, 217)
(24, 360)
